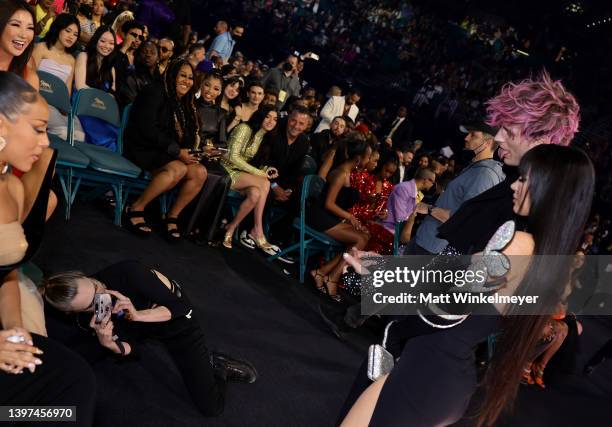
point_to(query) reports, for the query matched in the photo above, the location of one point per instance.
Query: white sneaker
(246, 240)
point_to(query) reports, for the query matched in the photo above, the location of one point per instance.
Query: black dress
(151, 140)
(321, 219)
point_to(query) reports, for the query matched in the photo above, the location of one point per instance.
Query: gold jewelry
(2, 143)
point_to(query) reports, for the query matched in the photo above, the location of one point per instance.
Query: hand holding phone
(103, 304)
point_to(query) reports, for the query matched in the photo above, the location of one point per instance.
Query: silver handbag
(380, 361)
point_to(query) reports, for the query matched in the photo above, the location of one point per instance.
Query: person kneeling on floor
(146, 304)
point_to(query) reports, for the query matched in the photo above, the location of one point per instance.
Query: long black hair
(7, 10)
(183, 109)
(229, 82)
(258, 117)
(561, 182)
(60, 23)
(99, 76)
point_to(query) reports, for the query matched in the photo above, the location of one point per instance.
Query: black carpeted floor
(249, 308)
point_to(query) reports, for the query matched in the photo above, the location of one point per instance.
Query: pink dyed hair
(541, 107)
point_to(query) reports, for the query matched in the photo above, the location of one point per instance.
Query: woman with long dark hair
(330, 214)
(33, 369)
(94, 67)
(254, 183)
(161, 131)
(54, 55)
(554, 192)
(243, 112)
(230, 97)
(17, 31)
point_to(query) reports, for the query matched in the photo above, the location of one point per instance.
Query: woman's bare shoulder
(522, 243)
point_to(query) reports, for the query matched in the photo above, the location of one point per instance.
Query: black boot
(233, 370)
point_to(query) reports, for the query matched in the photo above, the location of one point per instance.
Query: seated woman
(230, 99)
(330, 215)
(212, 116)
(63, 379)
(94, 67)
(161, 131)
(244, 111)
(146, 305)
(87, 26)
(254, 183)
(332, 158)
(54, 56)
(17, 23)
(374, 190)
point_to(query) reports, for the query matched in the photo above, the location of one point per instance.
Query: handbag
(380, 361)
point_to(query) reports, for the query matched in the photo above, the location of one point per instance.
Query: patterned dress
(243, 146)
(370, 206)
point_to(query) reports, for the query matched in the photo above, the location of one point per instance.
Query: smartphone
(314, 56)
(103, 304)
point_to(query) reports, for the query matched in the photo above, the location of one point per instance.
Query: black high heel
(172, 234)
(140, 228)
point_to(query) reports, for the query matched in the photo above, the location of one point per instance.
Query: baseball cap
(479, 126)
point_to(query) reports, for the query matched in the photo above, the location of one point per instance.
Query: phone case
(380, 362)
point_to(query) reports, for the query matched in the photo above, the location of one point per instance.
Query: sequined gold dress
(242, 146)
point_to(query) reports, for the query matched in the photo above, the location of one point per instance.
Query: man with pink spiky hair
(533, 112)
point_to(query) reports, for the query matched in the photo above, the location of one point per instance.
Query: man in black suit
(399, 132)
(404, 172)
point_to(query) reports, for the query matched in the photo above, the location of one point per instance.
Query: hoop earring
(3, 167)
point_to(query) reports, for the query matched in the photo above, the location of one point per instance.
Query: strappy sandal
(172, 234)
(140, 228)
(227, 240)
(334, 297)
(325, 277)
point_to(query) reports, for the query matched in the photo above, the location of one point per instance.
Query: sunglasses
(137, 36)
(164, 49)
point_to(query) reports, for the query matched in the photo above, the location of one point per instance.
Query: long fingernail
(31, 367)
(38, 361)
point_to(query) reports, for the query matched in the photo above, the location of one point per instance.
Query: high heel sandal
(172, 234)
(140, 228)
(335, 297)
(323, 287)
(227, 240)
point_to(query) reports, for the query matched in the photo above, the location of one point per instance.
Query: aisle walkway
(247, 309)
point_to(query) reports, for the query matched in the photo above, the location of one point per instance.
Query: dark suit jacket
(287, 159)
(319, 144)
(403, 135)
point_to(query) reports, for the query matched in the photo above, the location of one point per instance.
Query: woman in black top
(162, 129)
(212, 117)
(33, 369)
(147, 304)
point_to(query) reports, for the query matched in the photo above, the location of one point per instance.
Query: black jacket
(319, 144)
(287, 159)
(403, 135)
(212, 120)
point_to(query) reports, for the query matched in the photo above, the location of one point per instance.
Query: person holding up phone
(254, 183)
(147, 305)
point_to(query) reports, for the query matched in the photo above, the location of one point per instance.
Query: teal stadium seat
(69, 158)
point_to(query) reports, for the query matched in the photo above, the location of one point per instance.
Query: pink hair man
(532, 112)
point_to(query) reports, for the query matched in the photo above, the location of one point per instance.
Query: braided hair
(183, 109)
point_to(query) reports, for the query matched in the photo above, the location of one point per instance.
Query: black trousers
(184, 340)
(63, 379)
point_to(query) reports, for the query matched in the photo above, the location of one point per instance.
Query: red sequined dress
(370, 207)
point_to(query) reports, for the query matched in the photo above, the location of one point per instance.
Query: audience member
(17, 36)
(153, 307)
(399, 132)
(283, 80)
(223, 44)
(124, 54)
(243, 112)
(94, 67)
(45, 14)
(54, 55)
(231, 91)
(323, 141)
(161, 131)
(166, 52)
(145, 72)
(339, 106)
(253, 182)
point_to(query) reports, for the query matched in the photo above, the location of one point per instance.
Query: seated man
(146, 304)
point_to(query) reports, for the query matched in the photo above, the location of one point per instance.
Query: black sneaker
(233, 370)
